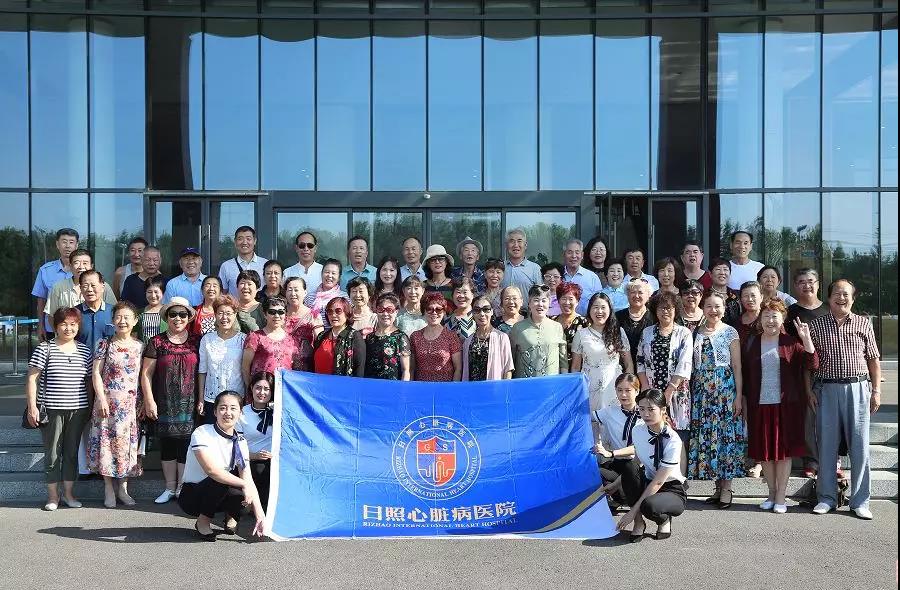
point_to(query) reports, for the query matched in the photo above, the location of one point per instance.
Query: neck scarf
(266, 418)
(631, 419)
(237, 458)
(657, 440)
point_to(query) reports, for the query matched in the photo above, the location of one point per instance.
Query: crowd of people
(693, 373)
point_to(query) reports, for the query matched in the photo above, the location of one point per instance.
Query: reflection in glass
(674, 221)
(115, 220)
(510, 105)
(622, 90)
(566, 105)
(330, 230)
(888, 288)
(58, 101)
(676, 150)
(232, 104)
(452, 227)
(288, 104)
(735, 102)
(177, 225)
(174, 72)
(398, 110)
(117, 102)
(850, 250)
(49, 212)
(849, 101)
(731, 213)
(625, 222)
(793, 233)
(342, 129)
(547, 232)
(224, 218)
(888, 101)
(14, 235)
(385, 232)
(13, 101)
(454, 105)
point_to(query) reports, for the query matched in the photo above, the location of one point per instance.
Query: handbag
(43, 418)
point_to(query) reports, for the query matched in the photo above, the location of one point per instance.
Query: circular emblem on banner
(436, 458)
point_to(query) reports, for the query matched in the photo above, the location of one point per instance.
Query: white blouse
(617, 426)
(669, 444)
(217, 447)
(249, 423)
(220, 360)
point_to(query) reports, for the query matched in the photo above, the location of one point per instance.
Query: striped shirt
(63, 387)
(843, 349)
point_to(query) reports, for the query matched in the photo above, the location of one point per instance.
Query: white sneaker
(779, 508)
(165, 496)
(767, 505)
(822, 508)
(863, 513)
(50, 506)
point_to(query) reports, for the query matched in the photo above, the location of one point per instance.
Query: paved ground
(146, 547)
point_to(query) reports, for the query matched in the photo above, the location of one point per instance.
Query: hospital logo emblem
(436, 458)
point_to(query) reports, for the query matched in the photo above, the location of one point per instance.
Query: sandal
(726, 505)
(715, 498)
(661, 536)
(229, 530)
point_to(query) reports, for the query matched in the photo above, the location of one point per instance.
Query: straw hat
(436, 250)
(179, 302)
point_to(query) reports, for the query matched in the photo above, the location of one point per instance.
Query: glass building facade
(647, 122)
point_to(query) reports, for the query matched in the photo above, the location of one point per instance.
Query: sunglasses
(388, 309)
(276, 312)
(544, 288)
(336, 311)
(178, 314)
(305, 245)
(483, 309)
(693, 292)
(434, 309)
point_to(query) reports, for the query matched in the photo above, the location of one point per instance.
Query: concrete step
(31, 459)
(883, 433)
(880, 457)
(33, 487)
(884, 486)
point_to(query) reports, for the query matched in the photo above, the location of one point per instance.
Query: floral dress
(718, 438)
(601, 363)
(383, 354)
(578, 322)
(270, 355)
(434, 358)
(113, 441)
(303, 331)
(660, 358)
(174, 383)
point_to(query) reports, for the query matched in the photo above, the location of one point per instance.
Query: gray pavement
(151, 547)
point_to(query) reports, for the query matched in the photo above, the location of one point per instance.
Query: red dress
(302, 330)
(776, 431)
(434, 358)
(270, 355)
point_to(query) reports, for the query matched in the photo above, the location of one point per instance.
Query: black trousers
(209, 497)
(261, 470)
(173, 449)
(668, 502)
(612, 469)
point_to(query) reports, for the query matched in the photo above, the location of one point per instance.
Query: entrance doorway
(207, 224)
(660, 225)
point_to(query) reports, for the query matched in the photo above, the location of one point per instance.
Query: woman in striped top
(62, 366)
(151, 322)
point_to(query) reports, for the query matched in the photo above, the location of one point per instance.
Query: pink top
(500, 360)
(268, 354)
(302, 330)
(434, 358)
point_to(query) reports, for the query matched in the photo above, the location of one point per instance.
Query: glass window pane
(731, 213)
(676, 113)
(117, 102)
(385, 232)
(58, 101)
(850, 250)
(676, 5)
(510, 105)
(791, 102)
(232, 104)
(13, 101)
(735, 97)
(793, 234)
(849, 101)
(16, 286)
(455, 7)
(514, 7)
(175, 73)
(404, 7)
(889, 269)
(546, 231)
(622, 88)
(288, 104)
(50, 212)
(115, 220)
(175, 5)
(777, 6)
(235, 6)
(454, 105)
(176, 227)
(330, 230)
(287, 6)
(567, 105)
(343, 126)
(342, 7)
(398, 94)
(224, 218)
(622, 6)
(733, 5)
(452, 227)
(567, 7)
(888, 101)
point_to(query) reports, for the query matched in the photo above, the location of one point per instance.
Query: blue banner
(370, 458)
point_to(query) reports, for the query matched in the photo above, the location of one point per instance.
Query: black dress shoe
(204, 536)
(663, 536)
(714, 499)
(726, 505)
(635, 538)
(229, 530)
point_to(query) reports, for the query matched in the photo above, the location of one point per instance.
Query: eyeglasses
(275, 312)
(178, 314)
(434, 309)
(388, 309)
(225, 314)
(640, 280)
(305, 245)
(483, 309)
(335, 311)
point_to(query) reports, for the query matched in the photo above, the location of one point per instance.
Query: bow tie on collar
(266, 418)
(237, 457)
(631, 419)
(657, 440)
